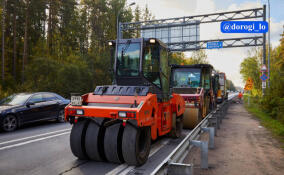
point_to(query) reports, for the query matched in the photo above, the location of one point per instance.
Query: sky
(225, 60)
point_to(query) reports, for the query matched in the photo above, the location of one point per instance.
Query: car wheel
(9, 123)
(61, 116)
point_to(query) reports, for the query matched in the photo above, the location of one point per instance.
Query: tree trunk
(49, 28)
(3, 39)
(25, 40)
(14, 41)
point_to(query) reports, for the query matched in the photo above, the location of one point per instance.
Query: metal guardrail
(211, 123)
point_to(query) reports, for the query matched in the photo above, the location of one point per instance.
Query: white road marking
(157, 147)
(123, 169)
(127, 170)
(31, 141)
(117, 169)
(25, 138)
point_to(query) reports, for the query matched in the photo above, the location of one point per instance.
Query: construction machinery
(222, 90)
(117, 122)
(194, 84)
(216, 85)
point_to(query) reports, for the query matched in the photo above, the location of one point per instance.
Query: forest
(60, 45)
(273, 100)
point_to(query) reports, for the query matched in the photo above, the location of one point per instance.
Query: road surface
(43, 148)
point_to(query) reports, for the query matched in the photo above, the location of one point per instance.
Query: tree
(137, 17)
(273, 100)
(15, 16)
(230, 85)
(147, 16)
(250, 69)
(27, 20)
(3, 38)
(198, 57)
(58, 45)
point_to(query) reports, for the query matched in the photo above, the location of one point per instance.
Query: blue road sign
(244, 27)
(215, 45)
(263, 77)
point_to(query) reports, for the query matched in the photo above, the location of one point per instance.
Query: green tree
(230, 85)
(273, 100)
(250, 69)
(137, 18)
(198, 57)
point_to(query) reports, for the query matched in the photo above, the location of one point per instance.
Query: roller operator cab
(194, 83)
(222, 91)
(116, 123)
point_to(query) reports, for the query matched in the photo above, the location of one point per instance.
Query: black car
(22, 108)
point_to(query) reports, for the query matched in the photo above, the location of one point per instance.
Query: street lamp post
(118, 34)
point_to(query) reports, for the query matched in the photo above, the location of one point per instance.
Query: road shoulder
(242, 146)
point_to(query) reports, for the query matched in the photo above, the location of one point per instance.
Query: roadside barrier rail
(173, 164)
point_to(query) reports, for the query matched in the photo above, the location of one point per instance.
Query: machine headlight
(152, 41)
(80, 112)
(122, 114)
(127, 114)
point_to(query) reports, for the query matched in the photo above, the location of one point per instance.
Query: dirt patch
(242, 146)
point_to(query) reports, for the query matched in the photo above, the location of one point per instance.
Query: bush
(44, 74)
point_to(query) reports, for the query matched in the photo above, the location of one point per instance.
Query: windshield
(128, 59)
(151, 66)
(221, 79)
(186, 78)
(17, 99)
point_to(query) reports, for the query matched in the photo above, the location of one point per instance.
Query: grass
(275, 126)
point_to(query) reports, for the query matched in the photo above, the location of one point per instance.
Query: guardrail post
(211, 135)
(221, 114)
(218, 118)
(213, 122)
(226, 110)
(203, 145)
(180, 169)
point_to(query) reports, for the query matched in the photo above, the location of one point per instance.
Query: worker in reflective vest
(240, 96)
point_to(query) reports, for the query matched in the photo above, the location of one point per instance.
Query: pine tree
(137, 17)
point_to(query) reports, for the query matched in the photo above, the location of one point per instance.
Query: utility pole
(264, 49)
(3, 39)
(268, 44)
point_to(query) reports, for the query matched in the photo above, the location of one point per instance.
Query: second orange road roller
(194, 84)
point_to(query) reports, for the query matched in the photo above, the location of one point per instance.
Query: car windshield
(17, 99)
(186, 77)
(128, 59)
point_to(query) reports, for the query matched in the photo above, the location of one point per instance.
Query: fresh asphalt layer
(43, 148)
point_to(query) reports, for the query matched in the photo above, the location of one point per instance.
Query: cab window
(207, 83)
(151, 65)
(128, 59)
(165, 71)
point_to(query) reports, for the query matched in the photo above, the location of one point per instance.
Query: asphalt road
(43, 148)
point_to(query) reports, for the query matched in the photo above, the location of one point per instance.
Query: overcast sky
(226, 60)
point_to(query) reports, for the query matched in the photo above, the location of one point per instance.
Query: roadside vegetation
(60, 45)
(269, 108)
